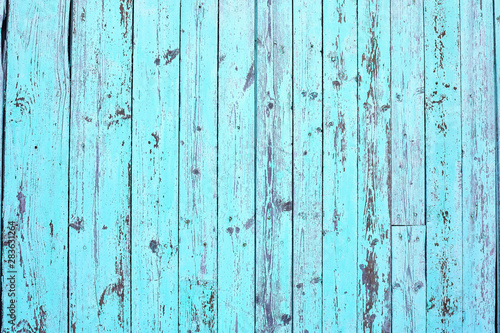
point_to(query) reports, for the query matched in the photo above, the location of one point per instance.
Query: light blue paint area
(340, 124)
(236, 167)
(443, 167)
(198, 167)
(35, 201)
(408, 279)
(273, 309)
(478, 146)
(374, 168)
(155, 166)
(100, 166)
(407, 122)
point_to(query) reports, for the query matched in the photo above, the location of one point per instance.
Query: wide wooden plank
(35, 201)
(478, 146)
(408, 279)
(407, 98)
(100, 166)
(155, 166)
(198, 167)
(274, 167)
(340, 123)
(236, 166)
(307, 166)
(374, 167)
(443, 166)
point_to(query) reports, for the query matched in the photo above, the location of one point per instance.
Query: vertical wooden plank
(100, 170)
(307, 170)
(443, 166)
(478, 146)
(35, 202)
(374, 168)
(274, 167)
(155, 166)
(236, 182)
(408, 279)
(496, 34)
(340, 122)
(198, 167)
(407, 96)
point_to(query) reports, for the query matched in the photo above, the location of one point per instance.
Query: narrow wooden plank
(100, 166)
(478, 146)
(236, 165)
(340, 122)
(407, 98)
(155, 166)
(35, 202)
(374, 168)
(307, 170)
(408, 279)
(443, 166)
(496, 26)
(198, 167)
(274, 167)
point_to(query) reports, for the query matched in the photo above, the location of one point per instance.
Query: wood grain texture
(408, 279)
(236, 166)
(274, 167)
(374, 167)
(100, 166)
(155, 165)
(35, 201)
(198, 167)
(252, 166)
(443, 166)
(478, 146)
(307, 166)
(340, 176)
(407, 101)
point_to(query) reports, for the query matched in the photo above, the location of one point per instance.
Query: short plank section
(407, 100)
(443, 166)
(155, 166)
(408, 279)
(236, 165)
(35, 202)
(274, 167)
(307, 170)
(198, 167)
(340, 123)
(100, 166)
(478, 146)
(374, 167)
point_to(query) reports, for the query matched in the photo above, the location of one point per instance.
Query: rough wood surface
(252, 166)
(443, 166)
(155, 162)
(340, 126)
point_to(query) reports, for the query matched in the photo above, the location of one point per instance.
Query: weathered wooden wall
(249, 166)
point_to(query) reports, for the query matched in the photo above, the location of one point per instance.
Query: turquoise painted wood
(340, 158)
(407, 102)
(443, 167)
(374, 167)
(35, 195)
(478, 165)
(236, 167)
(274, 187)
(198, 172)
(408, 279)
(100, 166)
(307, 166)
(253, 166)
(155, 162)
